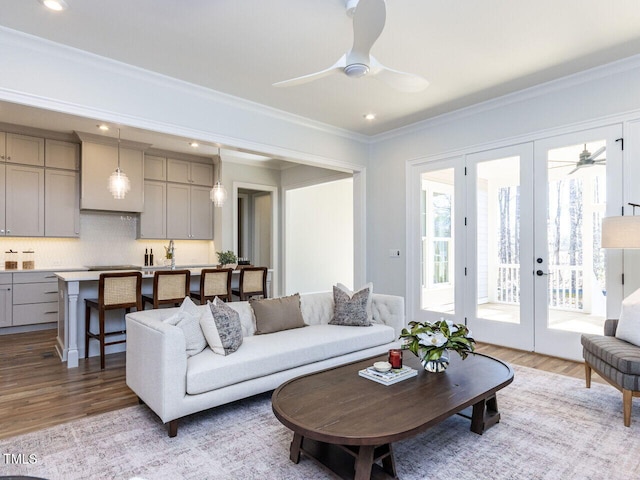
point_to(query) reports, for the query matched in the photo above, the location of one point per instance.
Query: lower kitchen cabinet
(5, 299)
(35, 298)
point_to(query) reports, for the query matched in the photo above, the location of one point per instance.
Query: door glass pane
(437, 231)
(577, 264)
(498, 243)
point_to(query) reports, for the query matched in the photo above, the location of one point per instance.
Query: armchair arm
(610, 327)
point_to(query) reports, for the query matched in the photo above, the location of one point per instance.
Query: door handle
(540, 273)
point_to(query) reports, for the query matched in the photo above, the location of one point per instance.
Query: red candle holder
(395, 358)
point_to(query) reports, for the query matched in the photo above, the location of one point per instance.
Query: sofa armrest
(389, 309)
(156, 368)
(610, 327)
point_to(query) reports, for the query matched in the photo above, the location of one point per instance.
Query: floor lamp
(621, 232)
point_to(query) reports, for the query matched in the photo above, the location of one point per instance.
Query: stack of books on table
(390, 377)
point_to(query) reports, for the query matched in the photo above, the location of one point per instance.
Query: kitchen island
(75, 286)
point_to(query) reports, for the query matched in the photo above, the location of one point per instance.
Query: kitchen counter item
(108, 268)
(10, 260)
(28, 260)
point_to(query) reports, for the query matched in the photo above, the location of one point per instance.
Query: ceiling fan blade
(402, 81)
(603, 160)
(368, 22)
(574, 170)
(335, 68)
(595, 154)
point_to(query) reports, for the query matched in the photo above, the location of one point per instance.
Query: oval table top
(338, 406)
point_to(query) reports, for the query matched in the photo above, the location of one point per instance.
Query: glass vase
(437, 366)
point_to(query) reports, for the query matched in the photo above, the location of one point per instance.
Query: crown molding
(595, 73)
(48, 47)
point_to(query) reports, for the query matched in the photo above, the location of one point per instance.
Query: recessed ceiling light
(194, 144)
(57, 5)
(369, 116)
(103, 127)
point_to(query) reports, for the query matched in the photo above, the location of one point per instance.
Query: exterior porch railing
(565, 286)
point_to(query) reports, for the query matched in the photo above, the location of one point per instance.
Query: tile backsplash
(106, 239)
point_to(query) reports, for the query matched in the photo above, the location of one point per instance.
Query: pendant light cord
(118, 149)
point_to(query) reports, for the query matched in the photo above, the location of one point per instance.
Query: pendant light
(218, 193)
(119, 183)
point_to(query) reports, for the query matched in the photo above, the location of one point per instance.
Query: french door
(509, 241)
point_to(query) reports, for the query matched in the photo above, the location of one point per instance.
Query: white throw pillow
(629, 323)
(188, 319)
(369, 285)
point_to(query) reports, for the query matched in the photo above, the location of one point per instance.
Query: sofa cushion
(621, 355)
(276, 314)
(188, 319)
(262, 355)
(629, 322)
(222, 328)
(351, 308)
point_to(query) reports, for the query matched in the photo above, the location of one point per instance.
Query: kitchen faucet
(171, 253)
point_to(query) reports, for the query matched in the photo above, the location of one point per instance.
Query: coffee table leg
(296, 444)
(485, 415)
(364, 462)
(389, 463)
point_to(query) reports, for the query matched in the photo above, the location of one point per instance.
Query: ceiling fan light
(119, 184)
(356, 70)
(218, 195)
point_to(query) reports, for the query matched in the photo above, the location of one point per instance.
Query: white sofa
(173, 386)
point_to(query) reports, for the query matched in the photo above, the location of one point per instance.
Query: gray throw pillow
(350, 310)
(276, 314)
(222, 328)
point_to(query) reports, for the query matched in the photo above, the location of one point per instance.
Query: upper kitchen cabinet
(60, 154)
(24, 201)
(99, 159)
(62, 206)
(23, 149)
(189, 212)
(193, 173)
(155, 168)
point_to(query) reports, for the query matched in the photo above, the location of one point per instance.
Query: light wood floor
(38, 391)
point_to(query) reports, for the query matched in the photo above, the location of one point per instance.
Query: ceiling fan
(368, 21)
(587, 159)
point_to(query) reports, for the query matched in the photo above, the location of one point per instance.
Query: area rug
(552, 427)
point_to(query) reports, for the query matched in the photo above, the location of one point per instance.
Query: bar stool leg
(101, 315)
(87, 328)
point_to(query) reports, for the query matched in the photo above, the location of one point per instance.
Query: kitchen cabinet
(193, 173)
(189, 212)
(22, 149)
(153, 219)
(58, 154)
(35, 298)
(155, 168)
(62, 203)
(99, 159)
(5, 300)
(24, 201)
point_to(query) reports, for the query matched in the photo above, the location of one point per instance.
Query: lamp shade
(621, 232)
(119, 184)
(218, 194)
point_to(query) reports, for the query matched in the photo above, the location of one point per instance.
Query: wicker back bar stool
(169, 287)
(117, 290)
(214, 282)
(252, 282)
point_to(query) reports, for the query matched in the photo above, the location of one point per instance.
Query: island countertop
(147, 272)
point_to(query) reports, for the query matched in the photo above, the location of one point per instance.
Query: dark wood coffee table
(348, 423)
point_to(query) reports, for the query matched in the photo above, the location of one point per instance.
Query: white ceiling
(469, 50)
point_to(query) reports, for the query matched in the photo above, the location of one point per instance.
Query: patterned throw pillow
(188, 319)
(222, 328)
(350, 310)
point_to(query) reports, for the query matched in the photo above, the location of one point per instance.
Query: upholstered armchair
(615, 360)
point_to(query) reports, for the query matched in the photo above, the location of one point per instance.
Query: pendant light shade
(218, 193)
(119, 184)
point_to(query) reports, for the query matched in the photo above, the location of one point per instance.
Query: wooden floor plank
(38, 391)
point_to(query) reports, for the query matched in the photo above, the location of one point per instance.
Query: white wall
(601, 96)
(319, 237)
